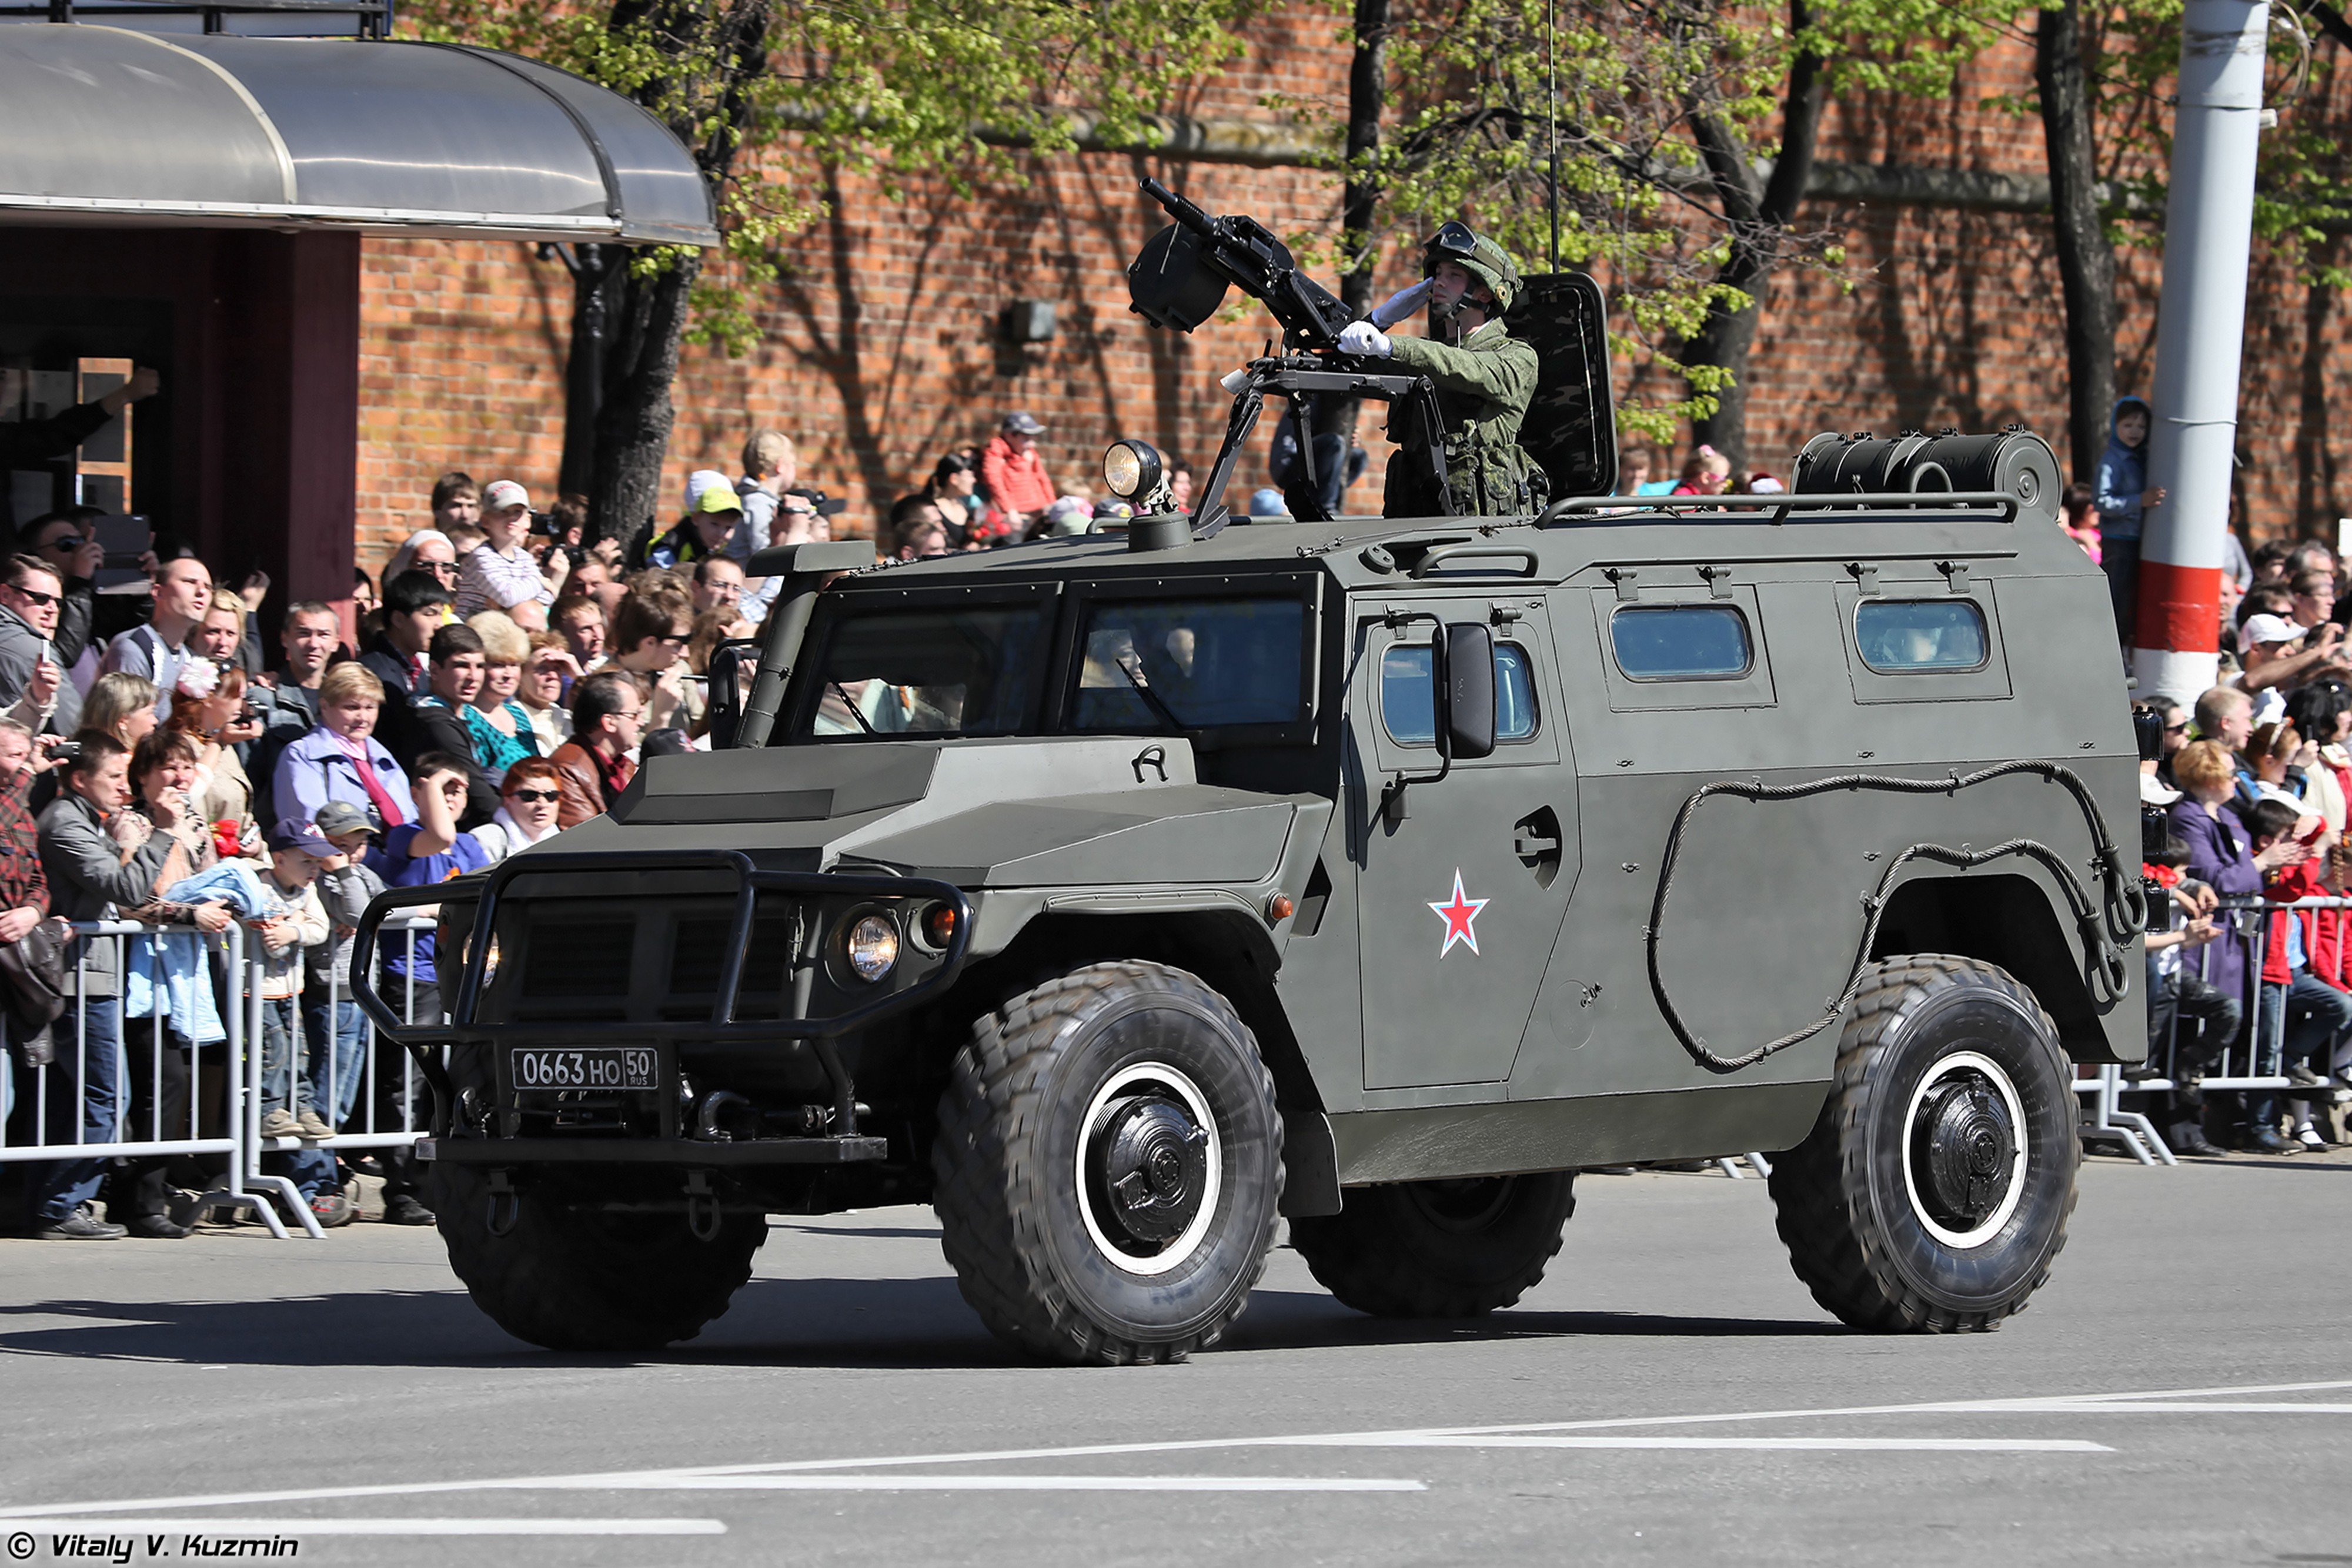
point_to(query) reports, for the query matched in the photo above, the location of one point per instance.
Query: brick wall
(881, 347)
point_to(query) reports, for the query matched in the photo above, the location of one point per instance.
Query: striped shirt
(489, 580)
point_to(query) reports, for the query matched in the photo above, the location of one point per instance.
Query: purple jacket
(2221, 852)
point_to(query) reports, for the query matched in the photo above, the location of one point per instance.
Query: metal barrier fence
(2251, 1060)
(108, 1094)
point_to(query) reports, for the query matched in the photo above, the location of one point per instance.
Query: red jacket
(1015, 482)
(2285, 887)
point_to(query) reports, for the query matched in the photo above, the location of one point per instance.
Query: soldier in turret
(1485, 379)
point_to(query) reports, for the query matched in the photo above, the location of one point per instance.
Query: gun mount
(1180, 279)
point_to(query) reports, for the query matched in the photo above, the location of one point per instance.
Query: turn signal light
(939, 924)
(1279, 908)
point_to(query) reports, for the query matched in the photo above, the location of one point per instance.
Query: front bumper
(721, 1027)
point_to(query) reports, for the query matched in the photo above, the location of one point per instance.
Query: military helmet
(1476, 255)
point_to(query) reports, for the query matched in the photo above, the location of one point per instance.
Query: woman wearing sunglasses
(526, 814)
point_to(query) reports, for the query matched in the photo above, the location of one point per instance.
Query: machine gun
(1178, 281)
(1180, 278)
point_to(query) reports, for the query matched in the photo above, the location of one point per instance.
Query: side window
(1908, 636)
(1410, 712)
(1681, 642)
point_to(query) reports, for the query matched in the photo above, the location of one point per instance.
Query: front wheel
(552, 1267)
(1933, 1193)
(1108, 1166)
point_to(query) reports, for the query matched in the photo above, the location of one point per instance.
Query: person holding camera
(499, 573)
(33, 685)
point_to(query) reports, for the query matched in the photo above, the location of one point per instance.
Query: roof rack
(1624, 509)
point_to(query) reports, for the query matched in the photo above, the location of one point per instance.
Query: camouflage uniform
(1484, 387)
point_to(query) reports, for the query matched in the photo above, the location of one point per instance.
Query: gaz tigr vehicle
(1119, 896)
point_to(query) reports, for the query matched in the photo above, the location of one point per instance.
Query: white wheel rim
(1988, 1228)
(1189, 1241)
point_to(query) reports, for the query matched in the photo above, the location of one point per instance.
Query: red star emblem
(1460, 913)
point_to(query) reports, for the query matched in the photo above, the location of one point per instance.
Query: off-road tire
(1438, 1248)
(571, 1278)
(1014, 1136)
(1857, 1235)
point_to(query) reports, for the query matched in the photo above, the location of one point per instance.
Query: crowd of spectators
(499, 682)
(2247, 791)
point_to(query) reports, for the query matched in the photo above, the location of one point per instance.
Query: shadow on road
(818, 1323)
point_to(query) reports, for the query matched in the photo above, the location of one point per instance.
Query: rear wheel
(1438, 1248)
(1933, 1193)
(1108, 1166)
(550, 1268)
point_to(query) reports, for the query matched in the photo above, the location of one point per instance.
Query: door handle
(1528, 844)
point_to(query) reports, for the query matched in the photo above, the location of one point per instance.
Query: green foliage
(771, 96)
(1486, 95)
(2304, 180)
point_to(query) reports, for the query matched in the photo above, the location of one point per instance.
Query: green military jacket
(1483, 388)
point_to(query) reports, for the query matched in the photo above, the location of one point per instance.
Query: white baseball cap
(502, 494)
(2260, 629)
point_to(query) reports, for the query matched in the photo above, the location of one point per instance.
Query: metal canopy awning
(104, 125)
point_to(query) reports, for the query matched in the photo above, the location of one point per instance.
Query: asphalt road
(2182, 1392)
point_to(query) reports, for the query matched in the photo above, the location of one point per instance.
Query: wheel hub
(1149, 1166)
(1964, 1150)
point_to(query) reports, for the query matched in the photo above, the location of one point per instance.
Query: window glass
(948, 671)
(1160, 666)
(1910, 636)
(1681, 642)
(1409, 710)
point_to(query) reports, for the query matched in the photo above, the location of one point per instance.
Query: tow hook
(506, 1204)
(702, 1206)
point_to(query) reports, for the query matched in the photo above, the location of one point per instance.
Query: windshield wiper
(851, 704)
(1134, 673)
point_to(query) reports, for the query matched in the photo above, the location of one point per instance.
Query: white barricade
(81, 1104)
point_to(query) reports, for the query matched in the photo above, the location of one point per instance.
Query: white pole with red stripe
(2201, 331)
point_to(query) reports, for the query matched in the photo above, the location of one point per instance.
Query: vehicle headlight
(873, 947)
(1131, 469)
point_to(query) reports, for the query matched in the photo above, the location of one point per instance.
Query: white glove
(1364, 338)
(1400, 305)
(1234, 381)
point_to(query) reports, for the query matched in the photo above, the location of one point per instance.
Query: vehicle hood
(981, 813)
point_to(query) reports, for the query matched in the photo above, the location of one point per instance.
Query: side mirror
(1465, 692)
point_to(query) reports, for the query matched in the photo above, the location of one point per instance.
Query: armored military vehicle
(1118, 895)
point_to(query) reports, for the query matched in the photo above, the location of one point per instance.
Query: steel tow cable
(2106, 975)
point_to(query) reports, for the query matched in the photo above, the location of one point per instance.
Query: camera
(544, 524)
(61, 749)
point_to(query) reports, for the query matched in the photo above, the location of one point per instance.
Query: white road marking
(839, 1482)
(623, 1481)
(1792, 1445)
(297, 1527)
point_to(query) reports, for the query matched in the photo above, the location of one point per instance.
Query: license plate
(609, 1067)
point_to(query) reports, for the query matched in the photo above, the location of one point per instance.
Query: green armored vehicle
(1119, 896)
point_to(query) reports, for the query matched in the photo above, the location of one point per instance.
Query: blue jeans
(2119, 558)
(280, 1081)
(85, 1090)
(343, 1048)
(2314, 1015)
(335, 1074)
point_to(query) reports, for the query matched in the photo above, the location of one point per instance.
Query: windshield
(960, 671)
(1168, 665)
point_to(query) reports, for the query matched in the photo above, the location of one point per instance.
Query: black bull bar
(421, 1040)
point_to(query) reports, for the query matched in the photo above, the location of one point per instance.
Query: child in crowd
(2080, 519)
(1705, 472)
(297, 854)
(332, 1026)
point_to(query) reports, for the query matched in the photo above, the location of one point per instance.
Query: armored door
(1462, 880)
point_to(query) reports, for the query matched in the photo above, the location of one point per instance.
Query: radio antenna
(1551, 120)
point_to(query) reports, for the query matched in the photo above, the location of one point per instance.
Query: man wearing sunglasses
(33, 685)
(1485, 379)
(67, 541)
